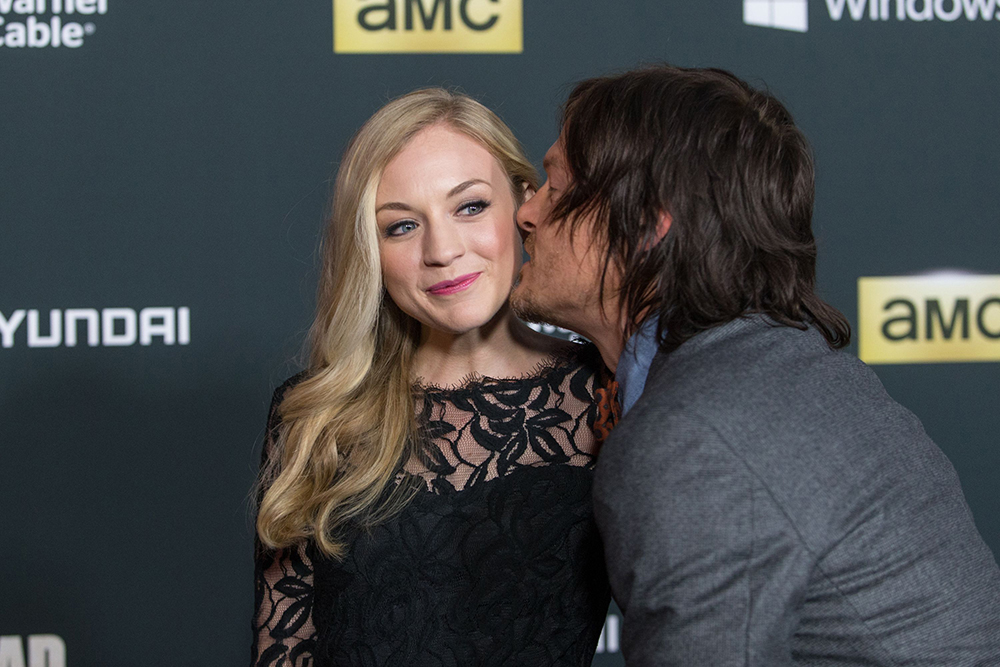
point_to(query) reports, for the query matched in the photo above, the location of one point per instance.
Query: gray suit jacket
(766, 503)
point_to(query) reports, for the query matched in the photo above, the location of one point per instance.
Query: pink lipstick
(453, 286)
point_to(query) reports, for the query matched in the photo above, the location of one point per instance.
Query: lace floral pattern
(487, 428)
(284, 631)
(495, 562)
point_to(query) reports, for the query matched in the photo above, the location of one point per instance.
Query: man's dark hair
(734, 173)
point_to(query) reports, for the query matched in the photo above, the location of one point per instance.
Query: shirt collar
(633, 365)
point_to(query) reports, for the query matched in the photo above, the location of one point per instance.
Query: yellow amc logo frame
(428, 26)
(928, 319)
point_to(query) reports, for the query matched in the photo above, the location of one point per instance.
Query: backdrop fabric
(165, 171)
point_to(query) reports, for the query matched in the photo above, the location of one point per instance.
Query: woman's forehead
(436, 161)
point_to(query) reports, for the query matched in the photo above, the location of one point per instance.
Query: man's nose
(526, 215)
(442, 244)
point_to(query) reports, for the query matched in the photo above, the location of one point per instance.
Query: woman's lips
(456, 285)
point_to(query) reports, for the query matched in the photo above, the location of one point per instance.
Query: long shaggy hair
(348, 426)
(730, 167)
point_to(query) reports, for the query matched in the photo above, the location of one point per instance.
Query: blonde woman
(425, 493)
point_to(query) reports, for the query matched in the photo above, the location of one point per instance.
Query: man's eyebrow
(461, 187)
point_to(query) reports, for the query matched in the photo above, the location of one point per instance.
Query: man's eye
(474, 207)
(400, 228)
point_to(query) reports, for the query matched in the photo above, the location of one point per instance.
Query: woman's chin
(466, 323)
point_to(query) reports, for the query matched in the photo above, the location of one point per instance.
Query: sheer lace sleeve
(283, 630)
(284, 634)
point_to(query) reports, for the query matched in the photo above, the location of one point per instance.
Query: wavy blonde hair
(348, 426)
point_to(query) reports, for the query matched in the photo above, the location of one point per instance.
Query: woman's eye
(400, 228)
(474, 207)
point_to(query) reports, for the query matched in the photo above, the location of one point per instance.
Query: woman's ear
(528, 191)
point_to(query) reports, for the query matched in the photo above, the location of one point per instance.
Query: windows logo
(781, 14)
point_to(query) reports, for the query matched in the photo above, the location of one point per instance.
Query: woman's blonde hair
(348, 426)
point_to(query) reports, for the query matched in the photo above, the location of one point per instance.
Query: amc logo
(427, 26)
(926, 319)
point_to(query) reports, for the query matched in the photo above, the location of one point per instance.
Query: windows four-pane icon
(781, 14)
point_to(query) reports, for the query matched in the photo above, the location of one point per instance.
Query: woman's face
(449, 246)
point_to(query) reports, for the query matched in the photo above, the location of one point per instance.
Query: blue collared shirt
(633, 366)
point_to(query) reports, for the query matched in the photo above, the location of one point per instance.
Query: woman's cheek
(518, 251)
(499, 244)
(394, 274)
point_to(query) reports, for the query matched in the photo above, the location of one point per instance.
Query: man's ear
(663, 225)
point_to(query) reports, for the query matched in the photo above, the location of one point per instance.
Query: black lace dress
(495, 561)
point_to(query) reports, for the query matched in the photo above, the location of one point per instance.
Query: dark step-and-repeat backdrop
(164, 172)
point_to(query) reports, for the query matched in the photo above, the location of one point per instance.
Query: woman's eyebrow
(394, 206)
(400, 206)
(465, 186)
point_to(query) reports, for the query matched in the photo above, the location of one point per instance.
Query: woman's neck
(502, 348)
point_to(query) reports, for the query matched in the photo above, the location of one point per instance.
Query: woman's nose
(443, 244)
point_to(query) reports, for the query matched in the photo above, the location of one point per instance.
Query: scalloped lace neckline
(474, 381)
